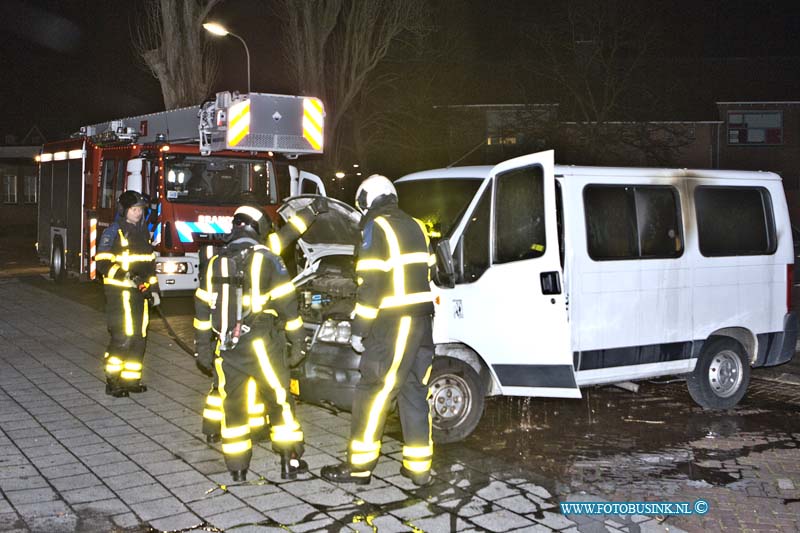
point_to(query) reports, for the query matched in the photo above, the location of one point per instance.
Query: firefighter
(277, 242)
(392, 330)
(126, 260)
(256, 347)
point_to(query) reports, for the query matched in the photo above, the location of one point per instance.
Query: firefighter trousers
(127, 314)
(262, 359)
(212, 413)
(395, 365)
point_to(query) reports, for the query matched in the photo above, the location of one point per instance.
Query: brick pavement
(74, 459)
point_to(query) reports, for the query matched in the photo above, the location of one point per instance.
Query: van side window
(107, 184)
(632, 222)
(734, 221)
(519, 215)
(472, 254)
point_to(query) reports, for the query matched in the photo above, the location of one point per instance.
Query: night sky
(68, 63)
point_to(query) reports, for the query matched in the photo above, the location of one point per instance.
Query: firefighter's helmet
(371, 189)
(252, 218)
(130, 199)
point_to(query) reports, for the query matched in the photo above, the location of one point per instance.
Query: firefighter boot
(239, 475)
(213, 438)
(291, 465)
(137, 387)
(113, 388)
(343, 473)
(420, 479)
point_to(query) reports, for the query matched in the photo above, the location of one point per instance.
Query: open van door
(509, 299)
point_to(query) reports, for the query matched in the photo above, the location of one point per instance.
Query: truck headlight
(333, 331)
(172, 267)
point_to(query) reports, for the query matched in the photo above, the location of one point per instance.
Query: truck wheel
(58, 265)
(720, 379)
(457, 399)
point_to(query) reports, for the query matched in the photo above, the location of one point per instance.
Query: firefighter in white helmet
(248, 299)
(278, 242)
(392, 331)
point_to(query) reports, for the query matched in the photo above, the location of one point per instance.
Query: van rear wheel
(720, 379)
(457, 399)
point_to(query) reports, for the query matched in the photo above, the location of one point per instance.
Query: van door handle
(551, 282)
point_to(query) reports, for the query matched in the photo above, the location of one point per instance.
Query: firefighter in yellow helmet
(392, 331)
(126, 260)
(248, 299)
(278, 242)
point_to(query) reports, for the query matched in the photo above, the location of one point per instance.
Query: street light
(219, 29)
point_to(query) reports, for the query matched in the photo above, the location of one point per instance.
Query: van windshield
(437, 202)
(217, 180)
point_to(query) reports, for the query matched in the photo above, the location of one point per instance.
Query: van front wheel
(720, 379)
(457, 399)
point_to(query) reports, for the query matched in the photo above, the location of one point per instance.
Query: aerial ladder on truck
(196, 164)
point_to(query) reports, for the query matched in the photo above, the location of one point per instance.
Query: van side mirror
(445, 271)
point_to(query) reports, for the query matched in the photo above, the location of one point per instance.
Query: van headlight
(333, 331)
(172, 267)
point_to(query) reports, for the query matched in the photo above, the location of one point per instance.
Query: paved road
(74, 459)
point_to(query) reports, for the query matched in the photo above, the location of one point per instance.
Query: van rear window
(632, 222)
(734, 221)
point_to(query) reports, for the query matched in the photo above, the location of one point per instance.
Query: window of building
(755, 127)
(9, 189)
(632, 222)
(30, 191)
(498, 140)
(734, 221)
(519, 215)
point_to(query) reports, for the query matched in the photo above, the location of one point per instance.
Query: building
(744, 136)
(19, 178)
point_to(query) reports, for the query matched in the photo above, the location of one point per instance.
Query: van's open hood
(335, 232)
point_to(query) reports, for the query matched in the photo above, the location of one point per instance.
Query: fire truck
(195, 165)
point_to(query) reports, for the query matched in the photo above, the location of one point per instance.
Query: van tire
(456, 400)
(721, 376)
(58, 266)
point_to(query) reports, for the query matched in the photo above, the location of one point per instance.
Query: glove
(155, 299)
(296, 355)
(204, 362)
(357, 343)
(141, 284)
(319, 205)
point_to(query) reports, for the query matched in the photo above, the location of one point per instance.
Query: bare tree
(592, 52)
(334, 46)
(171, 41)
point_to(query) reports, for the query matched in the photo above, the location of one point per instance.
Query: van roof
(480, 172)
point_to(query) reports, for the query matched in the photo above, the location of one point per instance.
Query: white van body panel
(668, 306)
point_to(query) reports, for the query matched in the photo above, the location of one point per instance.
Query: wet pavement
(73, 459)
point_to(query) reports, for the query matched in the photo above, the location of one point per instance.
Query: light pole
(219, 29)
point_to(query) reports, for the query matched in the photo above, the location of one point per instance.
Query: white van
(552, 278)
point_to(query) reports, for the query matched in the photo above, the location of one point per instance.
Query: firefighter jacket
(125, 256)
(269, 299)
(393, 266)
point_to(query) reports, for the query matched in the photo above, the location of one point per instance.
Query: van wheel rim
(725, 373)
(450, 400)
